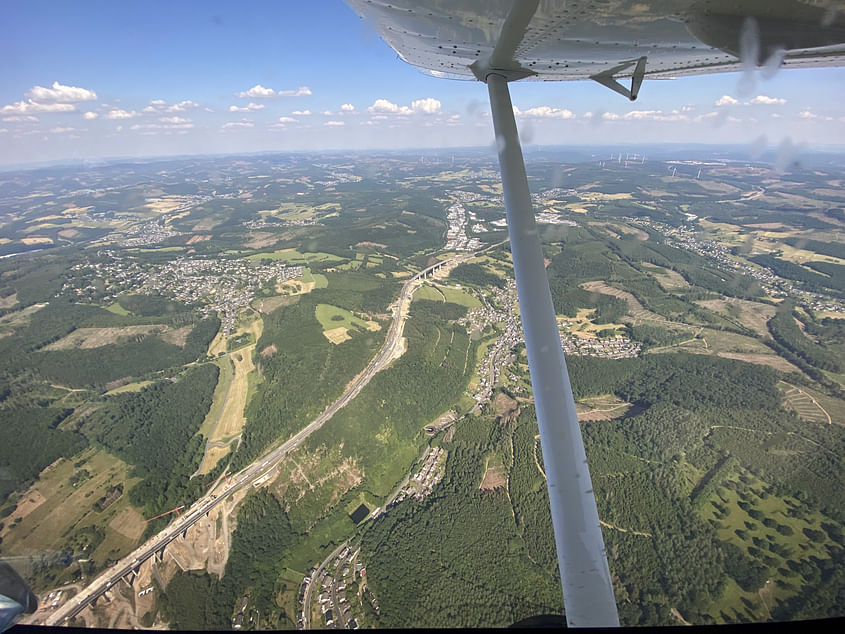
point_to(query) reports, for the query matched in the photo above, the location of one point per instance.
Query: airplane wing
(571, 40)
(499, 41)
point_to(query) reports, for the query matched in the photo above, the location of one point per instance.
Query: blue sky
(92, 79)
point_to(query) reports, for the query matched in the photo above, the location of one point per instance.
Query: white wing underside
(571, 40)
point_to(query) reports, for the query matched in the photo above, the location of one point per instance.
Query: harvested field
(667, 278)
(177, 337)
(752, 315)
(807, 407)
(129, 523)
(635, 308)
(231, 418)
(206, 224)
(199, 238)
(604, 414)
(771, 360)
(295, 287)
(26, 505)
(337, 335)
(9, 300)
(268, 304)
(260, 240)
(88, 338)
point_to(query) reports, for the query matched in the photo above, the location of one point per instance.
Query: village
(219, 286)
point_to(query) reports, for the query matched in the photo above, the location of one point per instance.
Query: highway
(252, 473)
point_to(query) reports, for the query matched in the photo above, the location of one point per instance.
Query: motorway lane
(248, 475)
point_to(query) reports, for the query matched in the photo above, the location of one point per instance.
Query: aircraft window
(262, 361)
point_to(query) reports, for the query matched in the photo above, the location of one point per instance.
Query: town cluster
(219, 286)
(610, 348)
(331, 582)
(685, 237)
(456, 235)
(503, 312)
(421, 484)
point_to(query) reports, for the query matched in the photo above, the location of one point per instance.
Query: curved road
(249, 475)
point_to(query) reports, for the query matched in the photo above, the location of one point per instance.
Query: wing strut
(587, 590)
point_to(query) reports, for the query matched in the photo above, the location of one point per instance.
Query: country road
(254, 472)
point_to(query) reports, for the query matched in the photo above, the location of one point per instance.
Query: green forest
(155, 430)
(263, 538)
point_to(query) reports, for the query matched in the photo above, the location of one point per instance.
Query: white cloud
(3, 130)
(301, 113)
(90, 115)
(655, 115)
(287, 120)
(182, 106)
(383, 105)
(27, 107)
(119, 113)
(610, 116)
(61, 130)
(250, 107)
(726, 100)
(258, 92)
(334, 124)
(302, 91)
(160, 105)
(327, 113)
(806, 113)
(20, 118)
(61, 94)
(544, 112)
(347, 107)
(426, 106)
(768, 101)
(169, 123)
(238, 124)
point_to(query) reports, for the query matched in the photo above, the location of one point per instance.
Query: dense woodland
(28, 448)
(199, 601)
(155, 431)
(304, 375)
(786, 332)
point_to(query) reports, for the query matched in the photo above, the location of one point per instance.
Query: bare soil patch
(504, 404)
(199, 238)
(269, 351)
(494, 477)
(68, 233)
(752, 315)
(88, 338)
(177, 337)
(260, 240)
(367, 243)
(771, 360)
(113, 385)
(268, 304)
(9, 300)
(206, 224)
(295, 287)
